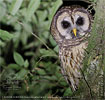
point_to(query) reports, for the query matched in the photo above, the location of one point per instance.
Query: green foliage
(32, 7)
(68, 92)
(4, 35)
(28, 54)
(18, 59)
(15, 6)
(54, 9)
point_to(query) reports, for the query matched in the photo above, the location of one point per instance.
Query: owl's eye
(65, 24)
(80, 21)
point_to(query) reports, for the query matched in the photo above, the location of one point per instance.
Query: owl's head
(71, 24)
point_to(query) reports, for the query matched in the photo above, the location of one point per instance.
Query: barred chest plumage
(71, 58)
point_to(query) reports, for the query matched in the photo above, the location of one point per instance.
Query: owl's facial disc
(82, 22)
(73, 24)
(64, 25)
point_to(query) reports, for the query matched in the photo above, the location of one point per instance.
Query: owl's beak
(75, 31)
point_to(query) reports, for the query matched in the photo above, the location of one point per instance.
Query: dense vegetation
(29, 64)
(29, 55)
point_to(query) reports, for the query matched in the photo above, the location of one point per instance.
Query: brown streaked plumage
(70, 28)
(71, 60)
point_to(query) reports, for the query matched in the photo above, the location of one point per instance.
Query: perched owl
(70, 28)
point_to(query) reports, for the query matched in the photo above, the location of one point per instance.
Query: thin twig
(36, 36)
(42, 58)
(40, 40)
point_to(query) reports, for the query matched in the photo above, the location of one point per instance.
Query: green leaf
(29, 53)
(68, 92)
(41, 72)
(32, 7)
(1, 0)
(27, 27)
(34, 19)
(56, 49)
(2, 44)
(45, 25)
(2, 10)
(51, 78)
(63, 83)
(52, 41)
(5, 35)
(26, 63)
(18, 58)
(21, 74)
(24, 40)
(14, 66)
(2, 61)
(40, 14)
(57, 4)
(45, 34)
(47, 52)
(29, 45)
(15, 6)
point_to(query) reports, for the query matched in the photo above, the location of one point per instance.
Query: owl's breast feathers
(71, 59)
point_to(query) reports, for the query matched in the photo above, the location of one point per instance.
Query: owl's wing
(71, 59)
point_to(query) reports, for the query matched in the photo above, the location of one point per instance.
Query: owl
(70, 28)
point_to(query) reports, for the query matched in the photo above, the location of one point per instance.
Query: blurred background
(29, 63)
